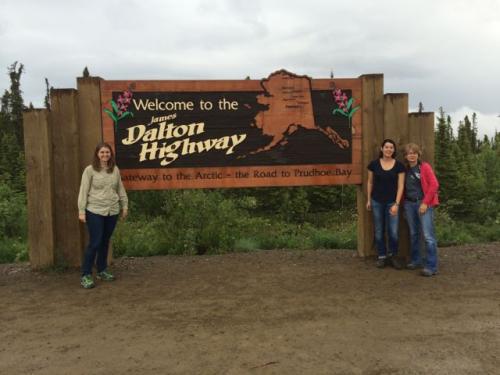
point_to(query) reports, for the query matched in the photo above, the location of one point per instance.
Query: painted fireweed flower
(344, 105)
(119, 109)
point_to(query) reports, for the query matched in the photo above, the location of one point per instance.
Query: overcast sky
(441, 52)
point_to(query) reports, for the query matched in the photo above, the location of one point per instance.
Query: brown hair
(96, 163)
(388, 140)
(413, 147)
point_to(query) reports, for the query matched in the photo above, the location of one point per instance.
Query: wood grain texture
(421, 132)
(396, 128)
(39, 188)
(89, 129)
(66, 166)
(373, 127)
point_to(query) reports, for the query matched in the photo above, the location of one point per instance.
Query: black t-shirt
(385, 183)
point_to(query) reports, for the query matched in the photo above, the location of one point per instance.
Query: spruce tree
(446, 162)
(464, 140)
(475, 143)
(46, 101)
(16, 101)
(11, 131)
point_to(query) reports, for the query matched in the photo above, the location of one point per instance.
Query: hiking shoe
(427, 272)
(380, 263)
(412, 266)
(395, 263)
(105, 276)
(87, 282)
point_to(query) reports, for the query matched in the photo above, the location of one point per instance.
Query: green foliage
(148, 203)
(13, 250)
(450, 232)
(468, 171)
(192, 222)
(335, 238)
(13, 227)
(12, 212)
(140, 238)
(201, 221)
(246, 245)
(212, 222)
(12, 168)
(13, 105)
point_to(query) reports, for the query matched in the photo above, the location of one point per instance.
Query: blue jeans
(100, 230)
(421, 224)
(382, 220)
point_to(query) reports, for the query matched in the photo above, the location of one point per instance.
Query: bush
(451, 232)
(13, 221)
(335, 238)
(201, 222)
(140, 238)
(193, 222)
(487, 232)
(13, 250)
(13, 225)
(246, 245)
(209, 222)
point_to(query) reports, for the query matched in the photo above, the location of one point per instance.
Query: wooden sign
(285, 130)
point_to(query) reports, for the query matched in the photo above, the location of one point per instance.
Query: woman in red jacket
(421, 196)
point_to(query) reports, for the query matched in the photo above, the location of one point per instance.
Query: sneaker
(427, 272)
(87, 281)
(395, 263)
(105, 276)
(380, 263)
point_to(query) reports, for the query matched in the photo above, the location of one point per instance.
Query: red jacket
(430, 185)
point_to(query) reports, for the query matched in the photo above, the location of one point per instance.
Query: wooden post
(373, 125)
(39, 188)
(65, 140)
(89, 117)
(421, 132)
(396, 128)
(90, 131)
(396, 119)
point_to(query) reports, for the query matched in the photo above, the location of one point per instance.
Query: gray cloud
(443, 53)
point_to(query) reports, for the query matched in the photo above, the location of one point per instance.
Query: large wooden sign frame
(59, 144)
(285, 130)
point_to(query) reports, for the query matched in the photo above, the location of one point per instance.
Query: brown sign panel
(285, 130)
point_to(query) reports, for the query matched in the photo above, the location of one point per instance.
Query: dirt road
(272, 312)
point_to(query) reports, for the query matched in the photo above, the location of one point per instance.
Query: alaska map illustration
(289, 108)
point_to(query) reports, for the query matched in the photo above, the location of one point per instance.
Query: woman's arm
(369, 188)
(399, 194)
(83, 194)
(431, 185)
(122, 194)
(401, 186)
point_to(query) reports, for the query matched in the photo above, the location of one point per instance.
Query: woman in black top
(385, 189)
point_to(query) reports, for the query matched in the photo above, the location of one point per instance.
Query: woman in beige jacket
(102, 197)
